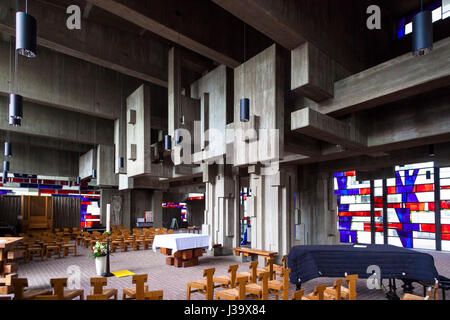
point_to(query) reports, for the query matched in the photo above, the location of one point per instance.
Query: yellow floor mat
(123, 273)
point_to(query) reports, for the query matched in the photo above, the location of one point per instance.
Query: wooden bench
(248, 252)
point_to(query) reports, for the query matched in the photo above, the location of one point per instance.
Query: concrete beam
(397, 79)
(314, 73)
(95, 43)
(193, 31)
(317, 125)
(292, 23)
(48, 122)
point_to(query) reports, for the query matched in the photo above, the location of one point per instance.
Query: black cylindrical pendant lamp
(94, 174)
(422, 33)
(69, 183)
(26, 31)
(121, 162)
(78, 180)
(15, 106)
(167, 142)
(5, 176)
(5, 165)
(245, 110)
(7, 152)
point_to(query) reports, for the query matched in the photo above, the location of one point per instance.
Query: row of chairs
(240, 286)
(46, 246)
(58, 292)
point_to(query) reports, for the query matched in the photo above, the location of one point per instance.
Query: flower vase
(100, 265)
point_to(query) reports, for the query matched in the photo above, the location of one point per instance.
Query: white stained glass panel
(422, 217)
(445, 216)
(445, 182)
(437, 14)
(364, 237)
(425, 196)
(424, 244)
(379, 183)
(361, 219)
(357, 226)
(445, 9)
(379, 238)
(445, 194)
(445, 173)
(392, 233)
(408, 28)
(445, 245)
(422, 179)
(378, 192)
(390, 182)
(359, 207)
(395, 241)
(415, 166)
(423, 235)
(394, 198)
(392, 216)
(336, 187)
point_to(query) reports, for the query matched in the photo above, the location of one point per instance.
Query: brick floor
(173, 280)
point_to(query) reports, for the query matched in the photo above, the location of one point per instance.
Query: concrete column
(157, 200)
(318, 209)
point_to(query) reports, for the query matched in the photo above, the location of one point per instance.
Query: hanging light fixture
(121, 162)
(26, 32)
(7, 152)
(422, 32)
(94, 174)
(69, 183)
(244, 102)
(178, 137)
(15, 106)
(5, 176)
(167, 142)
(431, 150)
(78, 180)
(245, 110)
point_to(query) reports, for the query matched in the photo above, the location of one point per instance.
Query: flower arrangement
(99, 250)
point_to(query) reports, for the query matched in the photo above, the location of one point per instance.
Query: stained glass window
(445, 207)
(410, 207)
(353, 200)
(439, 11)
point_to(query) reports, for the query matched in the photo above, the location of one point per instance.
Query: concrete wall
(87, 163)
(105, 166)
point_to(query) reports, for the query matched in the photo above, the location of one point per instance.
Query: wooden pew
(253, 252)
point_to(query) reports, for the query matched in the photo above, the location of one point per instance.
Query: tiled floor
(170, 279)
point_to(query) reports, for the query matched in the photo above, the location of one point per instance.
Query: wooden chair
(32, 251)
(431, 294)
(67, 247)
(115, 242)
(51, 248)
(334, 292)
(48, 297)
(137, 292)
(154, 295)
(252, 275)
(19, 294)
(259, 291)
(86, 239)
(203, 286)
(317, 294)
(170, 231)
(280, 288)
(227, 281)
(234, 294)
(98, 284)
(58, 286)
(298, 295)
(128, 240)
(5, 298)
(279, 269)
(349, 292)
(97, 297)
(268, 267)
